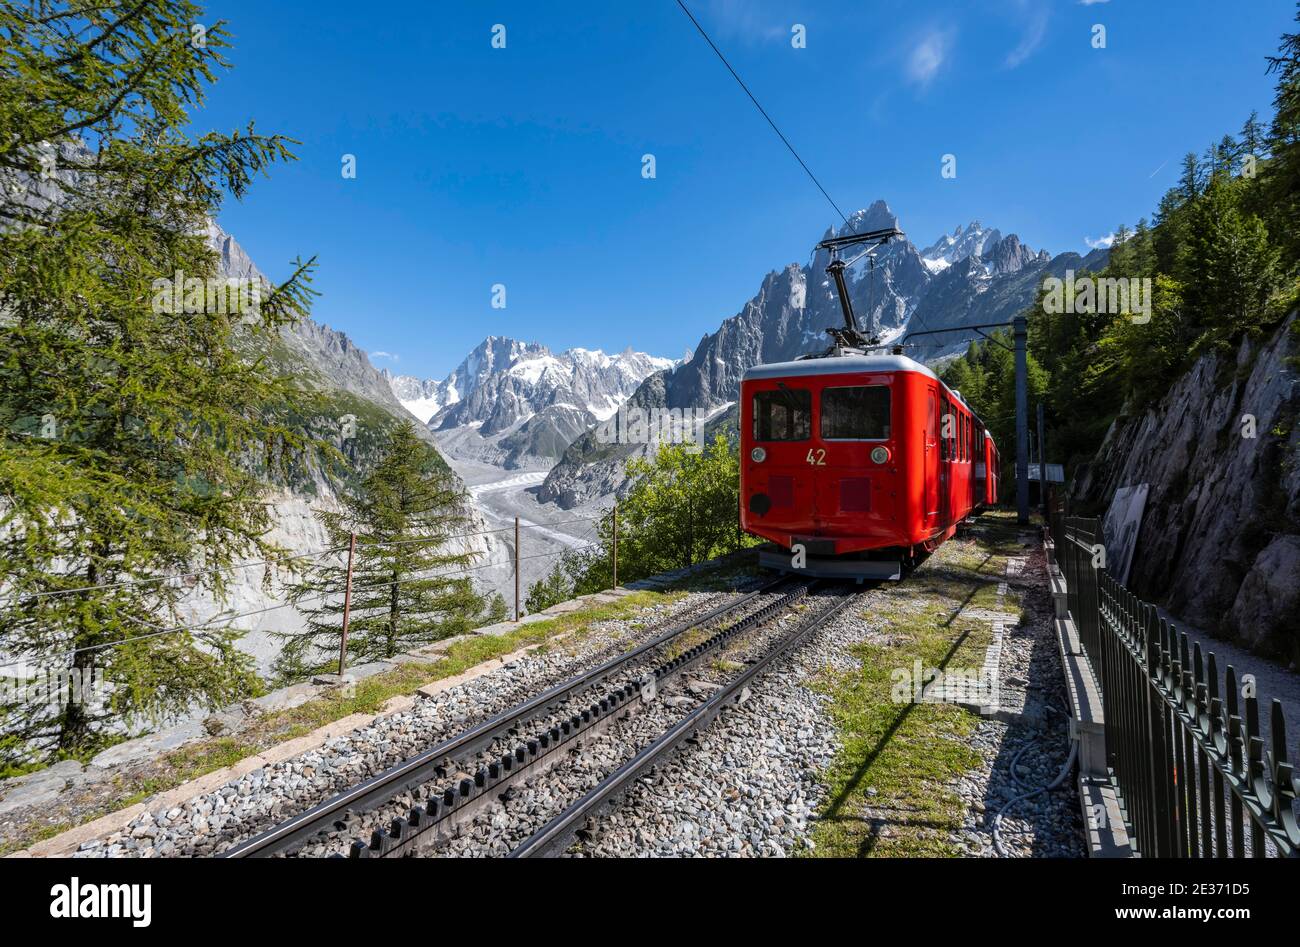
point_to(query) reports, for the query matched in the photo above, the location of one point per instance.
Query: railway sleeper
(446, 810)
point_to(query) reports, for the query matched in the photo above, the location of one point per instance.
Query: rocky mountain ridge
(354, 394)
(516, 404)
(973, 276)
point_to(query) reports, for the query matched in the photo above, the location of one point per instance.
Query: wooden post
(516, 568)
(347, 608)
(614, 554)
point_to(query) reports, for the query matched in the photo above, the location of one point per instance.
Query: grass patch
(197, 759)
(370, 695)
(889, 786)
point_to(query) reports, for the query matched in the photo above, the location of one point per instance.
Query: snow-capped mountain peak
(422, 397)
(523, 399)
(972, 240)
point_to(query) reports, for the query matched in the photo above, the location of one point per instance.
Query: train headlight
(880, 455)
(758, 455)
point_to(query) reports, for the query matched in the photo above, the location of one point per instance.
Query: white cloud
(928, 56)
(1101, 243)
(1034, 16)
(746, 20)
(385, 355)
(1088, 3)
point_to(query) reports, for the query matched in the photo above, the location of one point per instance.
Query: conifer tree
(129, 436)
(495, 610)
(682, 508)
(1189, 182)
(409, 583)
(1252, 135)
(1142, 253)
(1228, 265)
(1282, 179)
(556, 586)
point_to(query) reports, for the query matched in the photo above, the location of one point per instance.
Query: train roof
(838, 365)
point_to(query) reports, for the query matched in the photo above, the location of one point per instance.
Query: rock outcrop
(1219, 544)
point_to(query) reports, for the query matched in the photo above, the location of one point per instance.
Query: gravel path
(1032, 683)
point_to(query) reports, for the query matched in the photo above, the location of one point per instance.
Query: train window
(783, 415)
(859, 413)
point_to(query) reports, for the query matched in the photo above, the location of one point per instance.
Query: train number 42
(817, 457)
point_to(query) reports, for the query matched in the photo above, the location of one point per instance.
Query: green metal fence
(1195, 777)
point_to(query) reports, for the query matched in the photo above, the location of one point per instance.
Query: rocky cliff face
(328, 361)
(327, 355)
(1219, 543)
(958, 245)
(423, 397)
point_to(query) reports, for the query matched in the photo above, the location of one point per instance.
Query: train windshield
(856, 414)
(783, 415)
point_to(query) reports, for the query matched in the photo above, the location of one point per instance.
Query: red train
(867, 462)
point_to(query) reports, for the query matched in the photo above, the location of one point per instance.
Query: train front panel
(834, 454)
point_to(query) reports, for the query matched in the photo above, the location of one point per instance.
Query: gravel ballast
(214, 821)
(700, 826)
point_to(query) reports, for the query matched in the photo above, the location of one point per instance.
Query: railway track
(451, 805)
(546, 768)
(556, 836)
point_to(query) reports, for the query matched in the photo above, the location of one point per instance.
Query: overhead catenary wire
(226, 620)
(762, 111)
(236, 567)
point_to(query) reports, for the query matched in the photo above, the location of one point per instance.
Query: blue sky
(522, 166)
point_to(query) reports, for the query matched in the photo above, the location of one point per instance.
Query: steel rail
(446, 808)
(425, 766)
(556, 836)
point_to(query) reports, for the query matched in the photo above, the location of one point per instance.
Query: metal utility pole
(1021, 331)
(1042, 460)
(516, 568)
